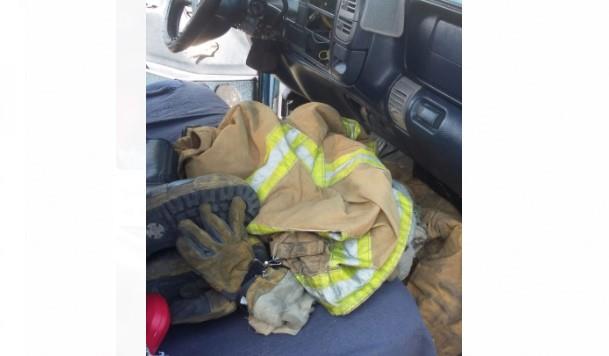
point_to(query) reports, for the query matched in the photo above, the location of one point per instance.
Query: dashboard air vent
(350, 5)
(344, 29)
(348, 9)
(397, 100)
(399, 96)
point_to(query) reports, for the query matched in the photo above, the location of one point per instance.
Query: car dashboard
(397, 70)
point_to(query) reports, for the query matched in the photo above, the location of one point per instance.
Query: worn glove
(169, 275)
(190, 298)
(219, 253)
(207, 306)
(277, 303)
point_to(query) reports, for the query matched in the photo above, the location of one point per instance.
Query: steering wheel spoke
(191, 22)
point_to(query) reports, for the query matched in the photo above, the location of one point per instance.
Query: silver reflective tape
(303, 154)
(350, 253)
(340, 290)
(335, 236)
(275, 157)
(360, 158)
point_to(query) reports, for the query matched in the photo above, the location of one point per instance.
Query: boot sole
(168, 204)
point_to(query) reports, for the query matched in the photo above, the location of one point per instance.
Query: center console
(326, 33)
(394, 65)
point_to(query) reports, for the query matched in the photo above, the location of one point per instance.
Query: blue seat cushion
(388, 323)
(174, 105)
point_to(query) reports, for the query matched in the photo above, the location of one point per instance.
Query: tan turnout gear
(327, 200)
(436, 281)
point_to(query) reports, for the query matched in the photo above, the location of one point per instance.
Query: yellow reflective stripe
(334, 298)
(287, 144)
(277, 175)
(309, 153)
(340, 254)
(318, 162)
(295, 138)
(353, 252)
(358, 153)
(336, 236)
(304, 148)
(364, 250)
(271, 158)
(279, 159)
(352, 128)
(331, 288)
(260, 229)
(272, 139)
(319, 169)
(324, 280)
(344, 165)
(310, 145)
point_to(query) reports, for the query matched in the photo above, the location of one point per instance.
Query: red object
(158, 320)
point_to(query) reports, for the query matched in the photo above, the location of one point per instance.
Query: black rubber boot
(167, 204)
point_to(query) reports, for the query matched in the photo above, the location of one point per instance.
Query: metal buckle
(273, 262)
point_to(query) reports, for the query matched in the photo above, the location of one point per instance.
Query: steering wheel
(209, 19)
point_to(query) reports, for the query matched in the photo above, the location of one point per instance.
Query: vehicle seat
(388, 323)
(174, 105)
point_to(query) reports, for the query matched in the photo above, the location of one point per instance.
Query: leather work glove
(168, 274)
(220, 253)
(207, 306)
(277, 303)
(190, 298)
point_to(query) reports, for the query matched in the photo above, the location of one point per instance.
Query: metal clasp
(273, 262)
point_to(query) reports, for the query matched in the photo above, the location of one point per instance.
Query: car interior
(393, 65)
